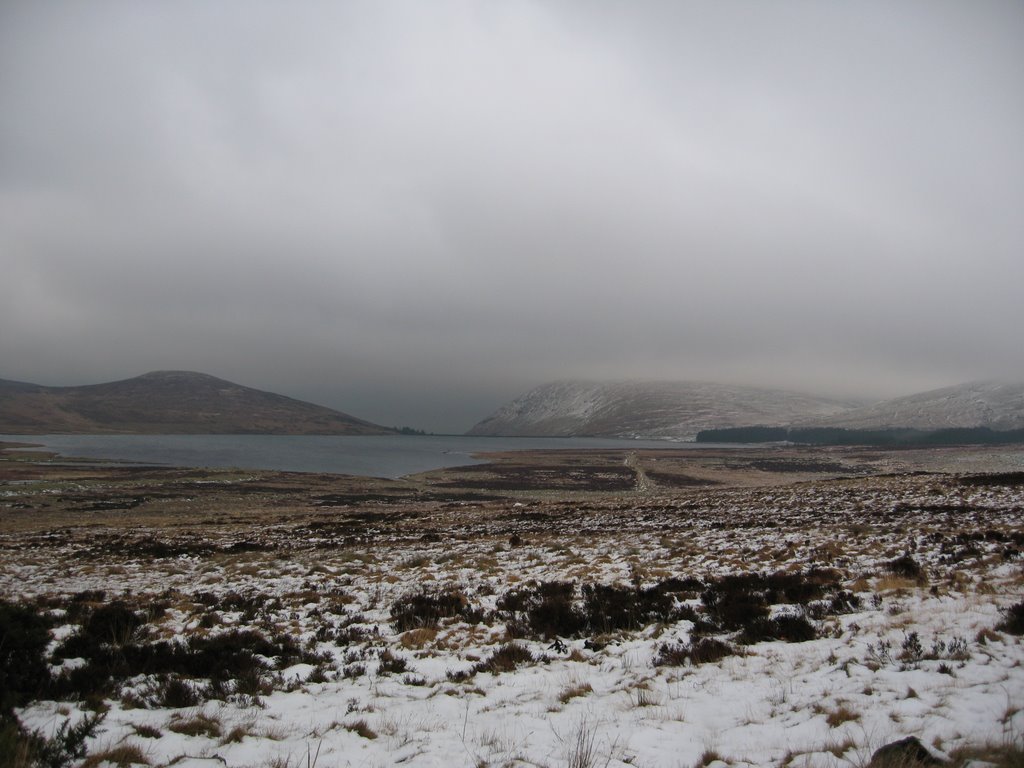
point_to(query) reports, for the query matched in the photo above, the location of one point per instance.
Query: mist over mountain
(992, 404)
(649, 409)
(679, 410)
(168, 402)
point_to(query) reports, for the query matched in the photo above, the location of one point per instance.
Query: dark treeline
(884, 437)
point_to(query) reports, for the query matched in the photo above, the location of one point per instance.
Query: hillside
(168, 402)
(997, 405)
(649, 409)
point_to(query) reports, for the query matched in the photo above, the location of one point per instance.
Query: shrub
(390, 664)
(174, 693)
(109, 626)
(23, 671)
(424, 609)
(734, 603)
(688, 586)
(546, 610)
(236, 656)
(505, 659)
(1013, 621)
(905, 566)
(703, 651)
(610, 607)
(791, 628)
(19, 748)
(911, 650)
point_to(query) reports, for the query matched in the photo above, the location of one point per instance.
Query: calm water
(383, 456)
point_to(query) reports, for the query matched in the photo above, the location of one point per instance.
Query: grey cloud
(414, 211)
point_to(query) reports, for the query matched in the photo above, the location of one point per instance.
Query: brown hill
(168, 402)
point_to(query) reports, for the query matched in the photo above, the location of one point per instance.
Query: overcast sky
(412, 211)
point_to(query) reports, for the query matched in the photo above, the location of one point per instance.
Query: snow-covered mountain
(649, 409)
(997, 405)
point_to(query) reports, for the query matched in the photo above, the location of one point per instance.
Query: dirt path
(643, 482)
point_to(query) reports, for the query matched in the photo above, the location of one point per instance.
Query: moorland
(770, 605)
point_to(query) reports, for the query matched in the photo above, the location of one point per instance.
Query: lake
(372, 456)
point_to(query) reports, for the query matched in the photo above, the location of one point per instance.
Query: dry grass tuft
(842, 714)
(122, 756)
(361, 728)
(147, 731)
(200, 724)
(574, 691)
(708, 757)
(418, 638)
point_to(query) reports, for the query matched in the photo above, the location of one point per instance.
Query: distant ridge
(168, 402)
(992, 404)
(677, 410)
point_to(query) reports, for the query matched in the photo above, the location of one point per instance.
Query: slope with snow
(649, 409)
(920, 657)
(997, 405)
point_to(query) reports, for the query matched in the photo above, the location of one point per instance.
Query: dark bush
(80, 603)
(732, 604)
(799, 588)
(106, 627)
(610, 607)
(20, 748)
(788, 627)
(390, 664)
(843, 601)
(905, 566)
(24, 635)
(1014, 620)
(114, 624)
(703, 651)
(688, 586)
(505, 659)
(231, 656)
(551, 609)
(172, 692)
(545, 611)
(424, 609)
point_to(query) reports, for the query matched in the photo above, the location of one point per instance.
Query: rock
(905, 753)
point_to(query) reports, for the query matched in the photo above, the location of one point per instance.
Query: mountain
(996, 405)
(649, 409)
(167, 402)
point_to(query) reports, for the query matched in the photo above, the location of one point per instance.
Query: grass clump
(122, 756)
(200, 724)
(361, 728)
(839, 715)
(574, 691)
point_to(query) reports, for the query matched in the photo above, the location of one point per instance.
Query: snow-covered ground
(920, 655)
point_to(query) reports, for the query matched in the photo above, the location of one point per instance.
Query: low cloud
(414, 212)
